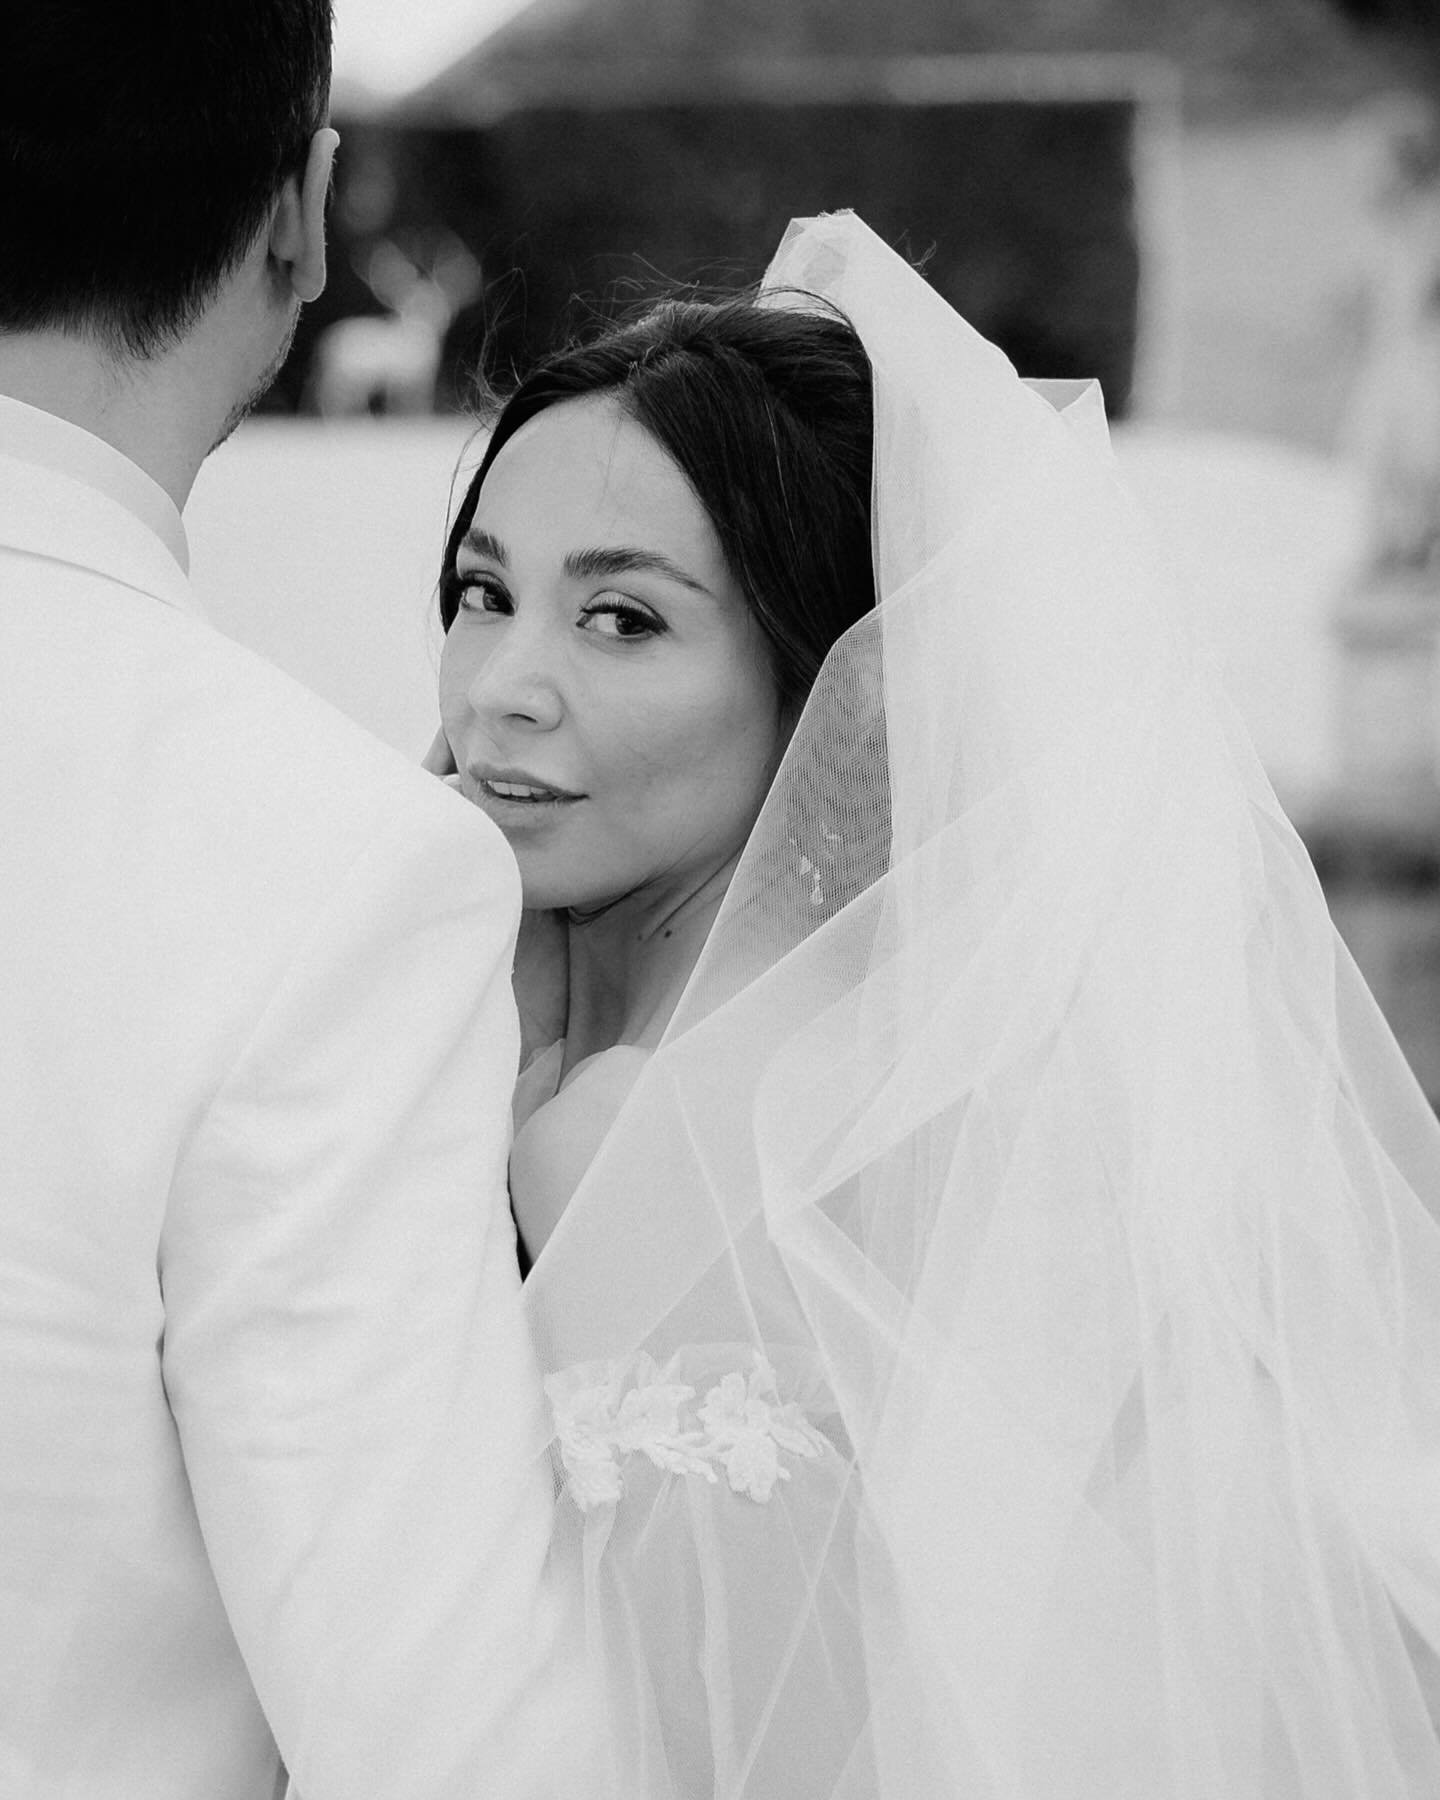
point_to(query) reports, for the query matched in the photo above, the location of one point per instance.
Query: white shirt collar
(42, 438)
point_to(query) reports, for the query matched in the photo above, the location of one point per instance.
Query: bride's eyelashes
(455, 590)
(481, 593)
(628, 620)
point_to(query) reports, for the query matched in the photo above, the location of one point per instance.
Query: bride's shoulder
(560, 1139)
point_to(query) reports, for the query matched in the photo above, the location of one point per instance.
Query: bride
(981, 1257)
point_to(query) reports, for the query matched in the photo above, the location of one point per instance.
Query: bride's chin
(550, 896)
(578, 909)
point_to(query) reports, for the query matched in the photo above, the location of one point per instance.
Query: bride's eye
(475, 593)
(615, 616)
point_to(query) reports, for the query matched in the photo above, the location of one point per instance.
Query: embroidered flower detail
(584, 1411)
(603, 1416)
(594, 1475)
(747, 1428)
(649, 1420)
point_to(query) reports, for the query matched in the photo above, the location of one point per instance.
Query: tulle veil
(995, 1352)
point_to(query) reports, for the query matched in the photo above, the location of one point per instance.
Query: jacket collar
(69, 496)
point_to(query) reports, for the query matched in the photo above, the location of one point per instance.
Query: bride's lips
(515, 796)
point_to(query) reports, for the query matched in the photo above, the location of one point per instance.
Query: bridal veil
(996, 1352)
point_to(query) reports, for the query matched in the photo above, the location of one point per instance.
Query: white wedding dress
(996, 1352)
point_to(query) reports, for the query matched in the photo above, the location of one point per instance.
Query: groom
(268, 1431)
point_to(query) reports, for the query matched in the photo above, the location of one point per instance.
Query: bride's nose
(516, 682)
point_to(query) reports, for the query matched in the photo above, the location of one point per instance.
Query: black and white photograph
(720, 900)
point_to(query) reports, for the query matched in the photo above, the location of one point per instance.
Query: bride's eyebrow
(586, 565)
(485, 544)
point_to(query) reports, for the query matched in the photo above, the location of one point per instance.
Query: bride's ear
(439, 759)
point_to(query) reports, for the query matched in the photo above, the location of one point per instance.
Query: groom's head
(152, 152)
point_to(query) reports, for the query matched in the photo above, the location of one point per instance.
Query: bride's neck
(628, 966)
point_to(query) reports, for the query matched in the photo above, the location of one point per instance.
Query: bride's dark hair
(767, 412)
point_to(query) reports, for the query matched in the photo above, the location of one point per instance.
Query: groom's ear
(297, 232)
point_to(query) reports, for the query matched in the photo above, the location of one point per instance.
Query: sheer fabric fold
(997, 1350)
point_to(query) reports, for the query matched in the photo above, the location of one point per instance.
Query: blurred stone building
(1248, 191)
(1253, 198)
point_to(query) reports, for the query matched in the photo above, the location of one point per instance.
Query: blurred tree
(1407, 17)
(1408, 28)
(1404, 14)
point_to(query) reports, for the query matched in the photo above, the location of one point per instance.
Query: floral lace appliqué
(606, 1412)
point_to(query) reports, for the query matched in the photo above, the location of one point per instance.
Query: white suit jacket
(265, 1400)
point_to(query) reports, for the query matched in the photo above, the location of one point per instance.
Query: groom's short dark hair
(142, 146)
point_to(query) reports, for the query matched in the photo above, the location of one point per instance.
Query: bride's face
(605, 689)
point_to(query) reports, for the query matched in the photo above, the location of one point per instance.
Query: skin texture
(644, 693)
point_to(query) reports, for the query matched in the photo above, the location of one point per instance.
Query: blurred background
(1226, 210)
